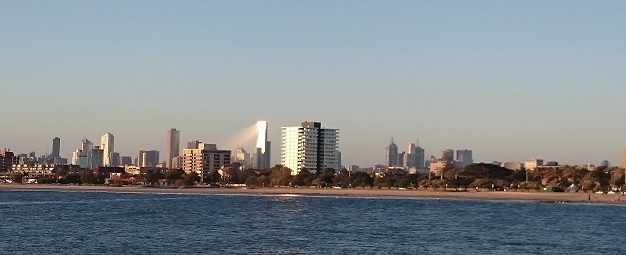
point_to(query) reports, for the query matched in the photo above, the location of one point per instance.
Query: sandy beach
(569, 197)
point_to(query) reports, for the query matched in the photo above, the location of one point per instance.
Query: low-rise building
(437, 167)
(533, 163)
(34, 170)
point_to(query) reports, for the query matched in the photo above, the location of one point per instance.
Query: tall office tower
(86, 146)
(309, 147)
(338, 156)
(97, 157)
(107, 145)
(464, 158)
(391, 154)
(414, 157)
(126, 160)
(148, 158)
(419, 155)
(262, 156)
(79, 158)
(447, 155)
(115, 159)
(56, 147)
(173, 146)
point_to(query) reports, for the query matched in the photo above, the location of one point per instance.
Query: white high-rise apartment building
(107, 147)
(173, 146)
(309, 147)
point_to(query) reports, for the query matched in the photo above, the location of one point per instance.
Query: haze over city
(508, 80)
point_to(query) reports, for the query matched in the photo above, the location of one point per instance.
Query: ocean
(53, 222)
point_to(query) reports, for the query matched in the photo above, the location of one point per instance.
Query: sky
(509, 80)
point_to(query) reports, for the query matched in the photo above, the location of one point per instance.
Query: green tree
(174, 174)
(153, 176)
(61, 170)
(87, 177)
(327, 177)
(191, 179)
(16, 177)
(280, 176)
(342, 179)
(71, 178)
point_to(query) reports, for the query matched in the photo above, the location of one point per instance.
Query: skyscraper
(391, 154)
(56, 147)
(464, 158)
(414, 157)
(107, 146)
(148, 158)
(97, 157)
(262, 153)
(309, 147)
(447, 155)
(173, 146)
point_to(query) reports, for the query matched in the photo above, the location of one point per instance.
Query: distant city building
(605, 163)
(400, 159)
(414, 157)
(533, 164)
(551, 163)
(115, 159)
(242, 157)
(205, 159)
(339, 167)
(511, 165)
(107, 144)
(126, 160)
(463, 158)
(353, 168)
(261, 156)
(97, 157)
(309, 147)
(7, 160)
(391, 154)
(148, 158)
(79, 158)
(177, 162)
(173, 146)
(193, 144)
(56, 147)
(447, 155)
(437, 167)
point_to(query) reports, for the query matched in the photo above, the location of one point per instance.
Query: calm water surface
(42, 222)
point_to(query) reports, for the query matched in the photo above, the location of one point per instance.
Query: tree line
(482, 176)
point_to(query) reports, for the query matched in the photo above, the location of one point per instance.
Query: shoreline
(565, 197)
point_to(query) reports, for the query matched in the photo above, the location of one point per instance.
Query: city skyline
(252, 143)
(508, 80)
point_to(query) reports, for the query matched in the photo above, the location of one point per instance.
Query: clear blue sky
(508, 79)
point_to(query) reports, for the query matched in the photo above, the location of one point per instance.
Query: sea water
(53, 222)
